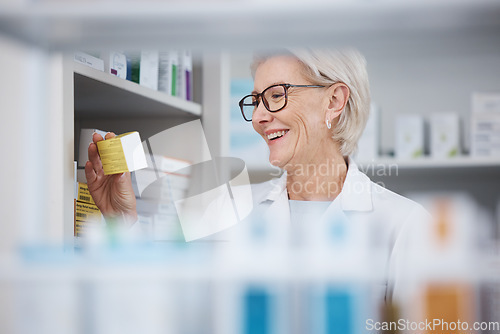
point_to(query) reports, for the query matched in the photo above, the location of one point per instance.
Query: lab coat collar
(278, 188)
(356, 192)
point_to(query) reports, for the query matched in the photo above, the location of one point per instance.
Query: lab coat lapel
(279, 211)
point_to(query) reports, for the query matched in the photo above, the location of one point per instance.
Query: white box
(174, 60)
(485, 134)
(167, 60)
(409, 136)
(485, 125)
(148, 74)
(85, 140)
(123, 153)
(486, 102)
(444, 135)
(184, 75)
(89, 60)
(118, 64)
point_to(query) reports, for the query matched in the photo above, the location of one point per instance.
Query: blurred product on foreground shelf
(269, 279)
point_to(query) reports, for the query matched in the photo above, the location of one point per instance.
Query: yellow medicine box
(123, 153)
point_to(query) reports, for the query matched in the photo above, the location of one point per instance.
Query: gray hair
(326, 67)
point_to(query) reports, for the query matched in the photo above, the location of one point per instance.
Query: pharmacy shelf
(460, 162)
(453, 166)
(428, 163)
(101, 94)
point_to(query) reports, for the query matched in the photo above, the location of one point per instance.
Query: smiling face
(296, 134)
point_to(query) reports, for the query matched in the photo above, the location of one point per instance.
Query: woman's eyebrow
(276, 83)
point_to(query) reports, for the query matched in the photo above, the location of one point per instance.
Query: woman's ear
(338, 95)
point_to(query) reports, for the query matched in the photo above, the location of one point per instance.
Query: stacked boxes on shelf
(439, 134)
(443, 131)
(167, 71)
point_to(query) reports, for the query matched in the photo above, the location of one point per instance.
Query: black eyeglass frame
(259, 97)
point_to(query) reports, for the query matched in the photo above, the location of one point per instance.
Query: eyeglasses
(274, 97)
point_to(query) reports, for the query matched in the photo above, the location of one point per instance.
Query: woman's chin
(277, 162)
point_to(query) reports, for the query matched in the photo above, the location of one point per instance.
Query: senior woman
(310, 107)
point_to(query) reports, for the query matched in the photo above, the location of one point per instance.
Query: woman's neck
(317, 181)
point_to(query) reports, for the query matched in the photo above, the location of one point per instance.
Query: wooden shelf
(104, 95)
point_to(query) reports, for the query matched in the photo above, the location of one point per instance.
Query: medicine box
(89, 60)
(148, 73)
(409, 136)
(444, 135)
(485, 125)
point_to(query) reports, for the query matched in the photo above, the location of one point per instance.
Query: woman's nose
(261, 114)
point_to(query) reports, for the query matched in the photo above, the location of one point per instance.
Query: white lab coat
(387, 221)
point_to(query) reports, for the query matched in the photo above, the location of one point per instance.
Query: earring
(328, 124)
